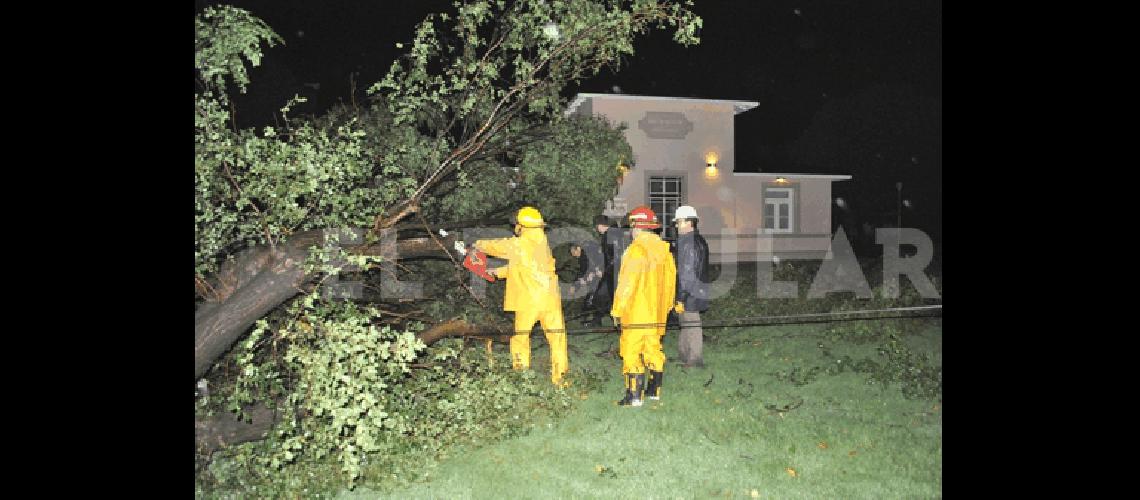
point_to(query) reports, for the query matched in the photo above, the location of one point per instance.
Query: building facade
(684, 154)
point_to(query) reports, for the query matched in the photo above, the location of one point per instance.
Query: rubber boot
(633, 387)
(653, 388)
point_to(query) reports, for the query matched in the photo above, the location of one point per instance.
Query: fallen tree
(456, 130)
(250, 286)
(486, 112)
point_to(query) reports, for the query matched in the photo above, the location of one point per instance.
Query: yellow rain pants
(644, 295)
(533, 294)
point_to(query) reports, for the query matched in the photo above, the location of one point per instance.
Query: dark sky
(844, 86)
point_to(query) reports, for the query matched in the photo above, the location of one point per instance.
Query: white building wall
(674, 137)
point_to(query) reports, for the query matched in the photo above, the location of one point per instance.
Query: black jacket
(591, 265)
(692, 271)
(616, 241)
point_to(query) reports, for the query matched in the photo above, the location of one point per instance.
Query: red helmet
(643, 218)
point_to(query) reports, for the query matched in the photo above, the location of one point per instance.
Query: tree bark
(460, 328)
(259, 280)
(225, 429)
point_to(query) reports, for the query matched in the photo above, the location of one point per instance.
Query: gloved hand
(460, 247)
(679, 307)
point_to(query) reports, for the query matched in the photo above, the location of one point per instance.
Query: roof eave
(835, 177)
(737, 106)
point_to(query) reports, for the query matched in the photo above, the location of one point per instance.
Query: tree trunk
(460, 328)
(260, 279)
(225, 429)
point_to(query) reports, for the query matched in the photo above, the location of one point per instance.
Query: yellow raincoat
(533, 294)
(645, 291)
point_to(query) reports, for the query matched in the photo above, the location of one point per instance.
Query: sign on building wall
(665, 125)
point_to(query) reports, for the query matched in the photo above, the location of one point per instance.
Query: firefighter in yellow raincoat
(532, 290)
(644, 295)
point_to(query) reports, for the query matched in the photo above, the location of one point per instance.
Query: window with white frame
(666, 193)
(779, 213)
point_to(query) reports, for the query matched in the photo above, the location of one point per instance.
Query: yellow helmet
(529, 217)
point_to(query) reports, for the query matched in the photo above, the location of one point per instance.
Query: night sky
(845, 87)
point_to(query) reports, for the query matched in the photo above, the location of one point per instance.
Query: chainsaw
(475, 261)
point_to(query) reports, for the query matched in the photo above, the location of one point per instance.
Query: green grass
(714, 433)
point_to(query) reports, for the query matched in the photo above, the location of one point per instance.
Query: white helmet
(685, 212)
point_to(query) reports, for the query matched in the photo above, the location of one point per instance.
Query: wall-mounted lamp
(710, 165)
(623, 169)
(781, 180)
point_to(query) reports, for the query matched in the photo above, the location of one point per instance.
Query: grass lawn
(732, 430)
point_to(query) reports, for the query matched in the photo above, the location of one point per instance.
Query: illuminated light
(623, 170)
(711, 158)
(710, 165)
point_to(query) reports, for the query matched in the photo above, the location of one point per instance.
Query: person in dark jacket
(692, 290)
(591, 269)
(614, 242)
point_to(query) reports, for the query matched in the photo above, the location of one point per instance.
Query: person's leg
(698, 342)
(603, 301)
(632, 368)
(690, 343)
(520, 340)
(554, 328)
(654, 356)
(683, 348)
(653, 384)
